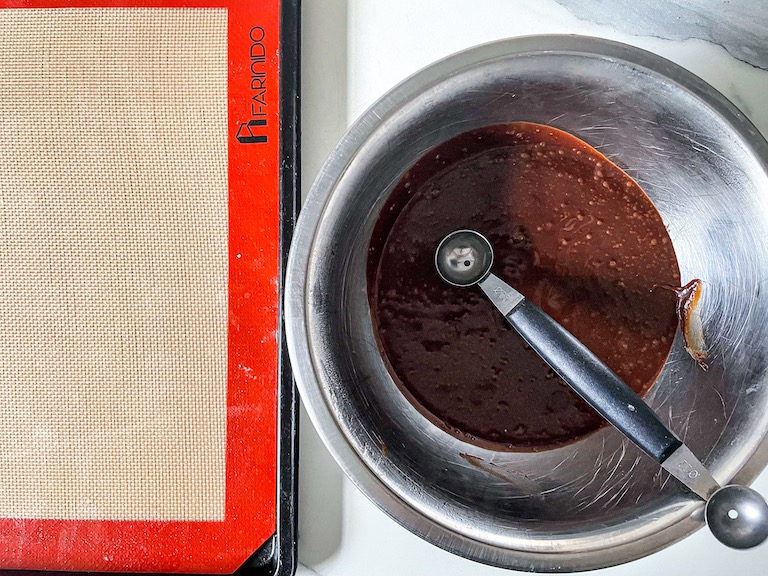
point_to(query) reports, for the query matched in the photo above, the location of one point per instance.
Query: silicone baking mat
(144, 215)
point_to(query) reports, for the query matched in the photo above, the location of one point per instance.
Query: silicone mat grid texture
(113, 263)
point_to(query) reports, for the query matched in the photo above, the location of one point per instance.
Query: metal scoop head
(464, 258)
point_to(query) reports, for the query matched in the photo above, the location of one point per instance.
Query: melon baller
(736, 515)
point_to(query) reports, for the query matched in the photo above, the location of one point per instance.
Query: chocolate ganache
(571, 231)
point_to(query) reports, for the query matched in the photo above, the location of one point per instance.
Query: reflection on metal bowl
(599, 501)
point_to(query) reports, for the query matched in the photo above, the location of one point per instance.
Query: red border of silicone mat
(254, 243)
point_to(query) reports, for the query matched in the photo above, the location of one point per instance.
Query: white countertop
(356, 50)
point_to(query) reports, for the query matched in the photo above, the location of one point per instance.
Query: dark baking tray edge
(278, 555)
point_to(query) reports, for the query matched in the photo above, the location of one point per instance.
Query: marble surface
(738, 26)
(353, 52)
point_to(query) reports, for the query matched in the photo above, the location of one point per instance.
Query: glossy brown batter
(570, 230)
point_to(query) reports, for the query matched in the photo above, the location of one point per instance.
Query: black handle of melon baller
(593, 381)
(599, 386)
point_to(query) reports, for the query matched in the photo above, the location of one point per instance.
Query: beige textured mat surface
(113, 263)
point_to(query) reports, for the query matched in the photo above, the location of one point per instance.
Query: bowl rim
(296, 312)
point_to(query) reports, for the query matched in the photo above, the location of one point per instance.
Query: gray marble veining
(739, 26)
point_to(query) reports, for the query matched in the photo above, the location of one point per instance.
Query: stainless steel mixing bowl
(599, 501)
